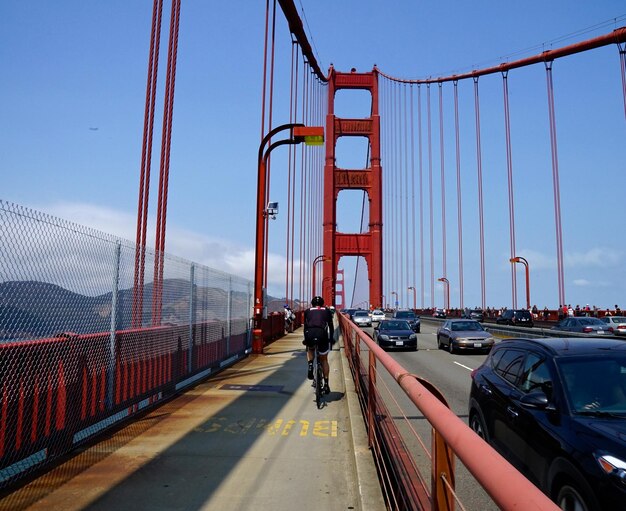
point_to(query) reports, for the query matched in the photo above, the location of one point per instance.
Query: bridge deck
(249, 438)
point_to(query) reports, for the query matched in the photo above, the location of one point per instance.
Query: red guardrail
(451, 436)
(55, 393)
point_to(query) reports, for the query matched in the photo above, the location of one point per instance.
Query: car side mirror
(537, 400)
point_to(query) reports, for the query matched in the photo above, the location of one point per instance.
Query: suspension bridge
(132, 378)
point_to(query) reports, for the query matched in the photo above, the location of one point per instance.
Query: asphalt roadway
(250, 438)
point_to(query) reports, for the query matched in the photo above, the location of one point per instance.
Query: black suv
(475, 314)
(516, 317)
(556, 410)
(409, 316)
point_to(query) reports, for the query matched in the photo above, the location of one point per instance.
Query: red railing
(55, 393)
(403, 486)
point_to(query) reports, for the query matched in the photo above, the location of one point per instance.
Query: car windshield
(590, 321)
(360, 313)
(377, 312)
(405, 314)
(394, 325)
(459, 326)
(595, 384)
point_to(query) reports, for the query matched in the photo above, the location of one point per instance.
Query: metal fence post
(192, 316)
(228, 313)
(250, 318)
(112, 350)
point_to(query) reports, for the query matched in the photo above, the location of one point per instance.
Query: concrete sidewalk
(249, 438)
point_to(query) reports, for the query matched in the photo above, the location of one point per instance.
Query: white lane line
(465, 367)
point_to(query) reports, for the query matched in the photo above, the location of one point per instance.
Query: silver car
(615, 324)
(464, 334)
(361, 318)
(378, 315)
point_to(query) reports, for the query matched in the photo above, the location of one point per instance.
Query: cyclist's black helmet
(317, 301)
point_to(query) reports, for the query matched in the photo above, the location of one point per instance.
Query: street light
(396, 302)
(318, 259)
(383, 304)
(447, 289)
(414, 298)
(518, 259)
(297, 133)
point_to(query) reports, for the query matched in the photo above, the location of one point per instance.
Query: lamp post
(318, 259)
(297, 133)
(414, 298)
(383, 304)
(396, 302)
(518, 259)
(447, 292)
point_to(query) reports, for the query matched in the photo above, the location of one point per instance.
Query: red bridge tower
(337, 244)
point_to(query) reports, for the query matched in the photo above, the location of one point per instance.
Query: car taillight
(587, 329)
(473, 373)
(621, 327)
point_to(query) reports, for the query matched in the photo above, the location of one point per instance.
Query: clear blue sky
(71, 119)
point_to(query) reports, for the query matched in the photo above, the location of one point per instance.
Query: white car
(377, 315)
(361, 318)
(615, 324)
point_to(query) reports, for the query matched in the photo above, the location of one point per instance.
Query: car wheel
(478, 426)
(451, 346)
(571, 499)
(439, 345)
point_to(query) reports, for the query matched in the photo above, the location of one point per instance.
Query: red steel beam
(297, 29)
(617, 36)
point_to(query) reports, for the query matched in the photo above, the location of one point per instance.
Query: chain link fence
(85, 342)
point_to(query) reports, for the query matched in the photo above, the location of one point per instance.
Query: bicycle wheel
(318, 382)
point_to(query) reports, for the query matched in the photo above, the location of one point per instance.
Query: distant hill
(32, 309)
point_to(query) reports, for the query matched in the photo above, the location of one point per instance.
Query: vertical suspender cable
(555, 183)
(400, 207)
(509, 164)
(269, 159)
(430, 191)
(458, 190)
(293, 187)
(308, 195)
(406, 199)
(622, 59)
(385, 178)
(170, 82)
(443, 189)
(392, 192)
(263, 94)
(290, 169)
(421, 181)
(413, 260)
(146, 159)
(479, 166)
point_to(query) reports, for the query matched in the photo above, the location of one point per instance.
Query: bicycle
(318, 376)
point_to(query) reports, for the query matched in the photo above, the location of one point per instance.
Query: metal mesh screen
(74, 358)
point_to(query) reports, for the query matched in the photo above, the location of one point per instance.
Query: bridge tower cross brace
(338, 244)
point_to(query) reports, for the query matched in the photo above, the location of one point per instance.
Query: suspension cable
(481, 222)
(443, 190)
(170, 82)
(146, 159)
(430, 186)
(555, 184)
(458, 191)
(509, 165)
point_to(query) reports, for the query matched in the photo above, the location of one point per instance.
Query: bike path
(249, 438)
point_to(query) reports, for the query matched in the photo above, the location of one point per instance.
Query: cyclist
(318, 330)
